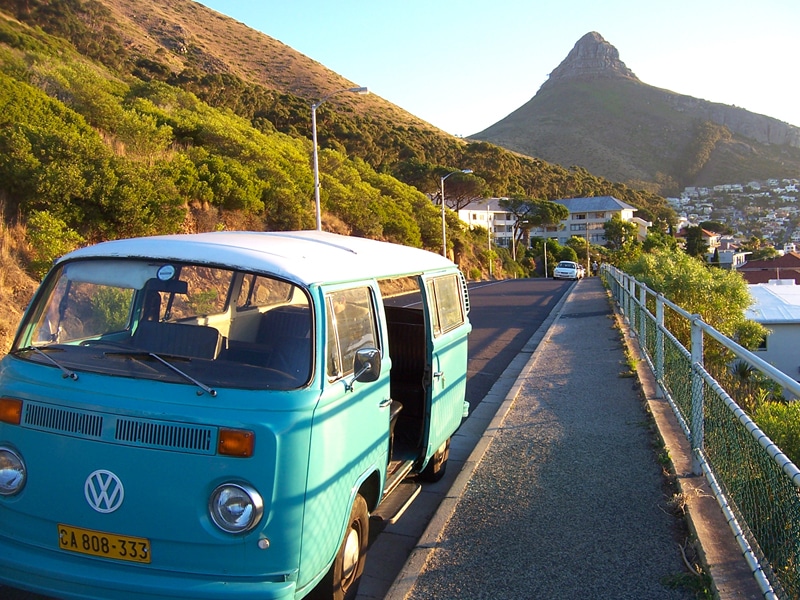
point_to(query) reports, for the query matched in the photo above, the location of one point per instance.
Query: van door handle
(385, 403)
(438, 374)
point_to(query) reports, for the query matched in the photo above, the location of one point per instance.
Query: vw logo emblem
(104, 491)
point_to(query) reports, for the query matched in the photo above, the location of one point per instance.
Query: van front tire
(341, 581)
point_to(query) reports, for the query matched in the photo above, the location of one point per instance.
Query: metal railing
(755, 483)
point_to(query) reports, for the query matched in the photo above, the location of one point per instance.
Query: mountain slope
(186, 35)
(595, 113)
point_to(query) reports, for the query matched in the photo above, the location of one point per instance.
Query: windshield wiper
(66, 373)
(134, 354)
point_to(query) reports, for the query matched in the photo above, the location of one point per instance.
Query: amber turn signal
(236, 442)
(10, 411)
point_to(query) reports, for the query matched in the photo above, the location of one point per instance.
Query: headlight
(12, 472)
(235, 507)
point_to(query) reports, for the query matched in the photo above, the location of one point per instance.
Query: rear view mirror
(171, 286)
(366, 366)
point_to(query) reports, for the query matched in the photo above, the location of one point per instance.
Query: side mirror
(366, 366)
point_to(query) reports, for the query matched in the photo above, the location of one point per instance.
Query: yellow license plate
(107, 545)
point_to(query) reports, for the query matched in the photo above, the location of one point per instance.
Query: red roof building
(782, 267)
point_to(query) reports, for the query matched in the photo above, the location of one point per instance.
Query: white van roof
(305, 257)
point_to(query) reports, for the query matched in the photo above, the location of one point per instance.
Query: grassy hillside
(120, 119)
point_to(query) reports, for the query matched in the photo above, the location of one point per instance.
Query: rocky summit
(592, 56)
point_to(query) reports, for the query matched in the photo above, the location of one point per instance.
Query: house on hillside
(711, 238)
(777, 307)
(729, 259)
(781, 267)
(587, 216)
(489, 215)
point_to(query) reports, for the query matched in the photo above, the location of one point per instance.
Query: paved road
(504, 316)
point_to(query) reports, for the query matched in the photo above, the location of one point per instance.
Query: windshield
(216, 326)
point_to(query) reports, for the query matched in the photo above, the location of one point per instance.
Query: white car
(567, 269)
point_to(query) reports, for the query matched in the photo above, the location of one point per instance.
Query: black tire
(436, 467)
(341, 581)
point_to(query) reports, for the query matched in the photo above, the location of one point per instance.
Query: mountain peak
(591, 57)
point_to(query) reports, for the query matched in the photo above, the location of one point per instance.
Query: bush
(49, 238)
(781, 422)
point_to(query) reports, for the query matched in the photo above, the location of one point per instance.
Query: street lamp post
(444, 228)
(489, 231)
(314, 107)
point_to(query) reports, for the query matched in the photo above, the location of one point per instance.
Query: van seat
(178, 339)
(284, 322)
(286, 333)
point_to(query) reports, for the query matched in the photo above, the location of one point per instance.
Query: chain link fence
(756, 485)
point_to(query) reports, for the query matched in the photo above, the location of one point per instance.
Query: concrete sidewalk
(563, 494)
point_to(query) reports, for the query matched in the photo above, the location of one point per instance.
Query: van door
(350, 430)
(447, 348)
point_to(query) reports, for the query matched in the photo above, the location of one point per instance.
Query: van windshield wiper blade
(134, 354)
(66, 373)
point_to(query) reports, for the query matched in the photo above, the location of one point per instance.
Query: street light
(444, 228)
(314, 107)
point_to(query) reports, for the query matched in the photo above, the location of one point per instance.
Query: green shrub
(49, 238)
(111, 305)
(781, 422)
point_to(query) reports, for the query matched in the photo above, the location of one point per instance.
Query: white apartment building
(489, 215)
(585, 215)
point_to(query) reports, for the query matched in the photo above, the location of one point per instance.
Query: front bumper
(73, 578)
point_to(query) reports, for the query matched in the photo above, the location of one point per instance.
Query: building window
(579, 216)
(762, 345)
(577, 227)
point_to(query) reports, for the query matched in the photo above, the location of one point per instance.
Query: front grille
(109, 428)
(164, 435)
(42, 416)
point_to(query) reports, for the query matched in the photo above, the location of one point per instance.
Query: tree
(531, 213)
(658, 240)
(716, 227)
(719, 296)
(619, 233)
(696, 245)
(580, 246)
(764, 253)
(460, 188)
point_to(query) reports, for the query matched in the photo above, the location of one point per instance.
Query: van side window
(207, 293)
(446, 307)
(258, 291)
(351, 326)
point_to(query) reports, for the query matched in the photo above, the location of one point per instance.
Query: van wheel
(341, 581)
(436, 467)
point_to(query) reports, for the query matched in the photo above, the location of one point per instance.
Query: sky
(463, 65)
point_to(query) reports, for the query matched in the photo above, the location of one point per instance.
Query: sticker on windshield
(166, 272)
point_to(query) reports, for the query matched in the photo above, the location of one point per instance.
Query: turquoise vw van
(216, 415)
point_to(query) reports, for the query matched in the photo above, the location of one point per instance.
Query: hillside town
(764, 209)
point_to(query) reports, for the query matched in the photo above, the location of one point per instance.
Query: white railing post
(643, 316)
(659, 363)
(697, 423)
